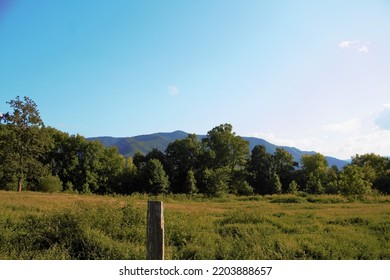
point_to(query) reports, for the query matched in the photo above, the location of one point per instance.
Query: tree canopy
(36, 157)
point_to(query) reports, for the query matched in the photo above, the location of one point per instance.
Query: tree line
(39, 158)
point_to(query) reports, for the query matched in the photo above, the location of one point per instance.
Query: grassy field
(66, 226)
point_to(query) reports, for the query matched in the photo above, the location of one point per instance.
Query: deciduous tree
(315, 169)
(24, 140)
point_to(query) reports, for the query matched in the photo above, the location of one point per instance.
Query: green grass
(66, 226)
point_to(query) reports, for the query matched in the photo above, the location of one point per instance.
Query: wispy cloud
(383, 119)
(369, 133)
(363, 49)
(302, 143)
(348, 43)
(173, 90)
(347, 126)
(357, 45)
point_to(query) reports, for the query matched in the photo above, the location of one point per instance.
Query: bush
(50, 184)
(293, 187)
(243, 188)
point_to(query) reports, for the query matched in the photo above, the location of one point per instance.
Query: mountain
(128, 146)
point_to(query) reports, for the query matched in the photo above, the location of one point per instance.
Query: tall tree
(315, 169)
(284, 165)
(182, 156)
(260, 169)
(228, 149)
(376, 169)
(225, 156)
(25, 140)
(353, 181)
(154, 178)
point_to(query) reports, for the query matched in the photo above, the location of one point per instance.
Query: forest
(36, 157)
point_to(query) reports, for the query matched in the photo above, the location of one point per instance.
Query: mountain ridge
(128, 146)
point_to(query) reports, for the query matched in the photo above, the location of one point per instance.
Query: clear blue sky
(309, 74)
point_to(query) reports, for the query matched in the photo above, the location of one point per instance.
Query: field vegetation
(37, 225)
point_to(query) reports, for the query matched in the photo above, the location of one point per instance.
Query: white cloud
(357, 45)
(347, 43)
(348, 126)
(173, 90)
(304, 144)
(367, 133)
(363, 49)
(374, 142)
(383, 119)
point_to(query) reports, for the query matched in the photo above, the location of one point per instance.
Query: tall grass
(66, 226)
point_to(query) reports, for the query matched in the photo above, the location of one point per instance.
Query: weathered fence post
(155, 231)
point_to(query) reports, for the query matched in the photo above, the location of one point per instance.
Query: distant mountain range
(128, 146)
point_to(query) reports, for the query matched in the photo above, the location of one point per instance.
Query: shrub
(243, 188)
(50, 184)
(293, 187)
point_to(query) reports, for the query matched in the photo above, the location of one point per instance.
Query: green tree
(293, 187)
(260, 170)
(332, 177)
(216, 181)
(24, 140)
(276, 184)
(50, 184)
(156, 154)
(182, 156)
(283, 165)
(227, 149)
(190, 183)
(315, 169)
(243, 188)
(85, 165)
(223, 155)
(353, 181)
(154, 178)
(139, 160)
(376, 169)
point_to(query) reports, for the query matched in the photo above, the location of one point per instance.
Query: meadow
(279, 227)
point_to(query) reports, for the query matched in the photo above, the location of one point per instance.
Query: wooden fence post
(155, 231)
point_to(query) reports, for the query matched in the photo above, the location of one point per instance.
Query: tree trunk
(20, 184)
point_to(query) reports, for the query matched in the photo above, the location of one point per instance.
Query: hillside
(128, 146)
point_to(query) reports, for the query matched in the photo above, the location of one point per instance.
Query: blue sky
(310, 74)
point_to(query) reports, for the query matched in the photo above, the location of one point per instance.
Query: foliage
(376, 168)
(353, 182)
(281, 227)
(227, 149)
(84, 232)
(216, 181)
(315, 169)
(23, 142)
(31, 155)
(260, 170)
(154, 178)
(293, 188)
(190, 183)
(50, 184)
(243, 188)
(182, 157)
(276, 184)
